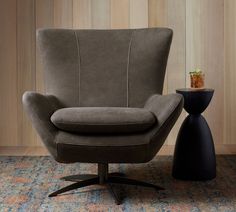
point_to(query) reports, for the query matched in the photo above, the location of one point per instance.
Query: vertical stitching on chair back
(79, 65)
(128, 59)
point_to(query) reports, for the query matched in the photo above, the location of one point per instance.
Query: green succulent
(196, 71)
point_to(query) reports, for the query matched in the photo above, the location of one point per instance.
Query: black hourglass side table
(194, 157)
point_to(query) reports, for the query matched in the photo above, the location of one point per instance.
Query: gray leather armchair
(103, 101)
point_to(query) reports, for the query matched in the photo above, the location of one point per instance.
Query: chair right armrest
(163, 105)
(167, 109)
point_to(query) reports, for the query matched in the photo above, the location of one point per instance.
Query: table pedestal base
(194, 157)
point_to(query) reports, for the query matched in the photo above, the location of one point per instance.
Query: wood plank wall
(200, 27)
(205, 49)
(230, 72)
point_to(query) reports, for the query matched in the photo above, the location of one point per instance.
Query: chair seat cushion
(105, 120)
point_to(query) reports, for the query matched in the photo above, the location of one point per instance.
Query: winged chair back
(104, 68)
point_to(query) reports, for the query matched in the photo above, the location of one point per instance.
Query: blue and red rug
(25, 183)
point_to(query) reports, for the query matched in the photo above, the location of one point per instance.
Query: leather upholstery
(104, 68)
(106, 120)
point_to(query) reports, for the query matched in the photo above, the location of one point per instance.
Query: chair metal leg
(76, 185)
(102, 172)
(79, 177)
(102, 178)
(114, 194)
(127, 181)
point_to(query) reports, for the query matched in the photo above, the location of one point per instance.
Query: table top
(196, 100)
(200, 90)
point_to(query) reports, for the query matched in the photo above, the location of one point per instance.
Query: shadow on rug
(26, 181)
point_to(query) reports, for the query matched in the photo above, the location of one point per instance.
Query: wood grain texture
(176, 62)
(176, 70)
(158, 17)
(194, 28)
(205, 49)
(171, 13)
(204, 36)
(8, 73)
(44, 17)
(157, 13)
(82, 14)
(120, 14)
(230, 72)
(25, 67)
(138, 13)
(215, 67)
(100, 14)
(63, 13)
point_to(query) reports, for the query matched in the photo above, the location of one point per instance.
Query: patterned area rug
(26, 181)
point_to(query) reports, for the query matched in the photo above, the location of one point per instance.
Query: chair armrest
(163, 105)
(39, 108)
(167, 109)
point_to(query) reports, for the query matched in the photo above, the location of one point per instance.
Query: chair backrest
(104, 68)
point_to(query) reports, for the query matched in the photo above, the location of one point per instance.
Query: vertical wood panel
(82, 14)
(44, 18)
(100, 14)
(215, 67)
(176, 64)
(25, 67)
(63, 13)
(119, 14)
(194, 35)
(205, 49)
(138, 13)
(157, 13)
(230, 72)
(158, 17)
(171, 13)
(8, 76)
(8, 73)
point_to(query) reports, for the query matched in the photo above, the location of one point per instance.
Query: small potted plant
(197, 78)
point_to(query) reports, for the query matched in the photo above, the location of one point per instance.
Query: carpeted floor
(26, 181)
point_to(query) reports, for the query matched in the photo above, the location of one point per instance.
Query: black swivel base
(102, 178)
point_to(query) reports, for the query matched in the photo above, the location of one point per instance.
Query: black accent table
(194, 157)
